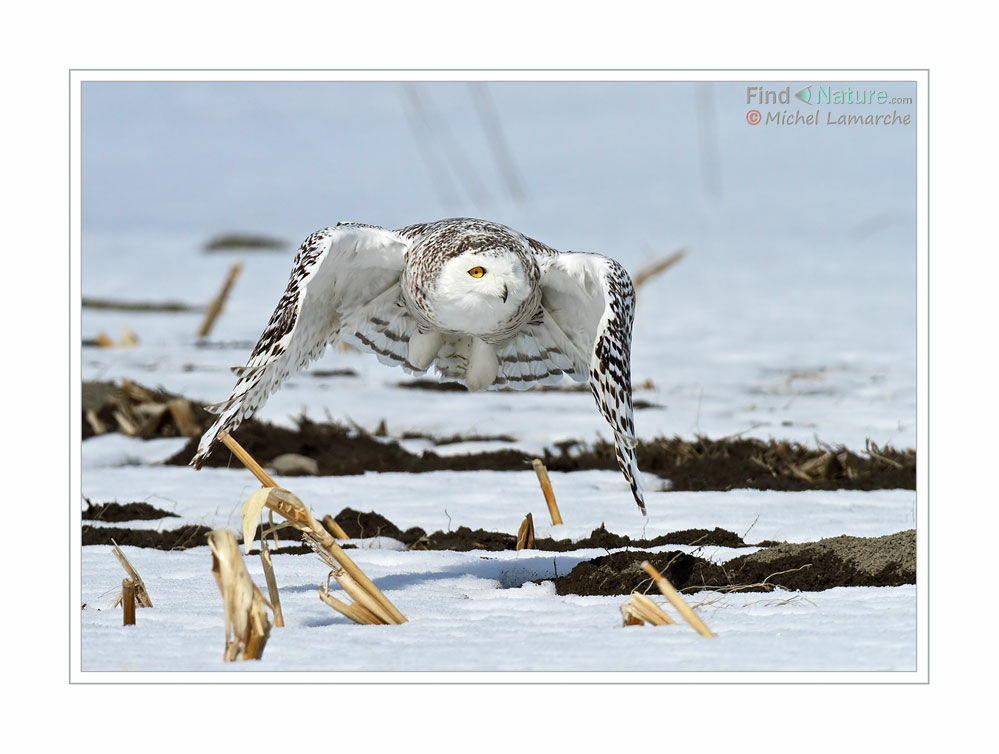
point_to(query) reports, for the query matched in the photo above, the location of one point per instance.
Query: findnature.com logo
(816, 95)
(827, 95)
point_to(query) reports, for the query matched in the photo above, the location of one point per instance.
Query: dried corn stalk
(333, 527)
(246, 623)
(286, 504)
(525, 535)
(272, 587)
(141, 595)
(640, 609)
(128, 602)
(183, 416)
(656, 268)
(365, 608)
(215, 307)
(670, 593)
(546, 489)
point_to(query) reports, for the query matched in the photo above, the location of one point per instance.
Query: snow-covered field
(793, 316)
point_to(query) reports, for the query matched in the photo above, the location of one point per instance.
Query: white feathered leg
(423, 348)
(482, 365)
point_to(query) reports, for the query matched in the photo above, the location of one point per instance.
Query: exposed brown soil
(302, 549)
(454, 439)
(244, 242)
(734, 463)
(136, 410)
(175, 539)
(619, 573)
(359, 525)
(139, 306)
(340, 451)
(639, 404)
(438, 385)
(137, 511)
(225, 345)
(698, 464)
(187, 537)
(322, 373)
(838, 561)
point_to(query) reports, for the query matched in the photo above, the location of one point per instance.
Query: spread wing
(345, 278)
(589, 301)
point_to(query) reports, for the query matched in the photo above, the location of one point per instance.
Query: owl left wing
(589, 301)
(344, 278)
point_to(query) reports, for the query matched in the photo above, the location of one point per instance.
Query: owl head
(480, 289)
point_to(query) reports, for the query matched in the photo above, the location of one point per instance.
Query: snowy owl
(481, 303)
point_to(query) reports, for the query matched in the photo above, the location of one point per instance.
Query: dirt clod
(620, 573)
(175, 539)
(137, 511)
(359, 525)
(814, 566)
(740, 463)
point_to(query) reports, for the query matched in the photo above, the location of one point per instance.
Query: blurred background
(792, 314)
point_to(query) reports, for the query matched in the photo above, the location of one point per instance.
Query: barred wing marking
(384, 328)
(592, 300)
(337, 272)
(539, 353)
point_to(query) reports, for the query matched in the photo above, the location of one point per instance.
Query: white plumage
(479, 302)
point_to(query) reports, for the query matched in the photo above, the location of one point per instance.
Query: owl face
(478, 291)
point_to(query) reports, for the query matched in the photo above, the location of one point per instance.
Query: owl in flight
(481, 303)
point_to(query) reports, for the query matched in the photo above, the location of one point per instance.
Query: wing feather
(384, 328)
(337, 272)
(529, 358)
(590, 300)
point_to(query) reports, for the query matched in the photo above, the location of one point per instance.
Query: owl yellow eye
(477, 272)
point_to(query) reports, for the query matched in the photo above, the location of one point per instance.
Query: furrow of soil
(814, 566)
(358, 525)
(335, 450)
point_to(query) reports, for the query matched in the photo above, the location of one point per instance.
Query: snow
(792, 316)
(479, 611)
(472, 610)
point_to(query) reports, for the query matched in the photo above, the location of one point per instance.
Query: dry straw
(333, 527)
(670, 593)
(215, 307)
(263, 477)
(246, 623)
(286, 504)
(355, 612)
(656, 268)
(525, 535)
(640, 609)
(272, 588)
(546, 488)
(128, 602)
(141, 595)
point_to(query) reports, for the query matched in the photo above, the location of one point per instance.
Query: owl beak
(506, 293)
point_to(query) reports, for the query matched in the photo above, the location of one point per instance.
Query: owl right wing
(343, 278)
(589, 300)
